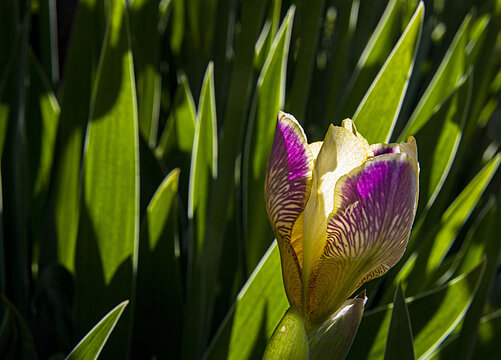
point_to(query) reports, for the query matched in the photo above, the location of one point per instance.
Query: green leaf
(375, 53)
(159, 300)
(15, 339)
(419, 268)
(376, 115)
(146, 39)
(484, 245)
(43, 109)
(180, 128)
(478, 33)
(444, 81)
(47, 36)
(203, 171)
(92, 344)
(269, 99)
(75, 98)
(399, 344)
(438, 141)
(42, 117)
(255, 314)
(106, 256)
(308, 31)
(267, 35)
(433, 316)
(486, 344)
(203, 161)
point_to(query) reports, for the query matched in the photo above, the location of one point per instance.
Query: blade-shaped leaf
(399, 344)
(203, 171)
(91, 345)
(433, 316)
(158, 307)
(230, 146)
(373, 57)
(438, 142)
(444, 81)
(270, 97)
(484, 245)
(180, 128)
(486, 345)
(378, 111)
(441, 238)
(75, 103)
(203, 160)
(106, 255)
(144, 19)
(255, 314)
(308, 33)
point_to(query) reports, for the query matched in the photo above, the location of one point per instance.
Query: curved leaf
(91, 345)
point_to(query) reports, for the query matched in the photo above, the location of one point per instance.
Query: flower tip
(349, 125)
(361, 295)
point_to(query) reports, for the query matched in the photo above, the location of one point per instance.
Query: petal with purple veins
(287, 189)
(368, 231)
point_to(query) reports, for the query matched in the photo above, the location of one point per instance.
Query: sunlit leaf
(438, 141)
(376, 115)
(269, 99)
(419, 268)
(106, 254)
(444, 81)
(433, 316)
(75, 104)
(255, 314)
(92, 344)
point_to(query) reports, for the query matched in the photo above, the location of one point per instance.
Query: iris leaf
(92, 344)
(259, 307)
(373, 57)
(438, 142)
(433, 316)
(376, 115)
(159, 291)
(399, 344)
(109, 223)
(269, 99)
(438, 242)
(75, 98)
(444, 81)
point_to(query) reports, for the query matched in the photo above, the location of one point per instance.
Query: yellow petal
(343, 149)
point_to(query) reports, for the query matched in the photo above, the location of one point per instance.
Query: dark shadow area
(158, 316)
(95, 298)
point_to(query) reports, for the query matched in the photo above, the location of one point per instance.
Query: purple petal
(286, 191)
(381, 149)
(368, 234)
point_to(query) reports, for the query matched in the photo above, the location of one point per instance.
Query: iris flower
(341, 209)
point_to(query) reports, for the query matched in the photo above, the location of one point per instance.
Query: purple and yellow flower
(341, 209)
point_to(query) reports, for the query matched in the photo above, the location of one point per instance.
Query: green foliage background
(134, 139)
